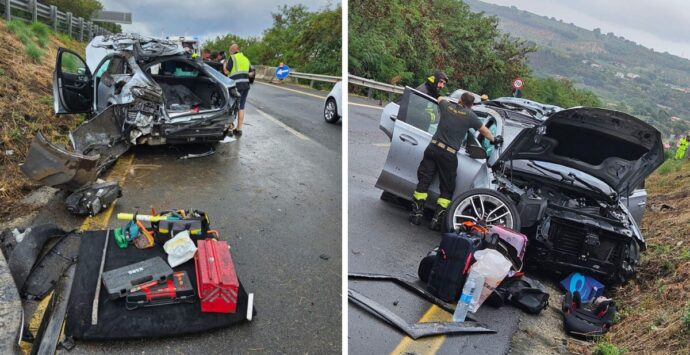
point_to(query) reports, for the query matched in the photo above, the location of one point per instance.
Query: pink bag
(512, 244)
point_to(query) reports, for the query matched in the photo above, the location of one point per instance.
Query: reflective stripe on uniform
(443, 202)
(420, 195)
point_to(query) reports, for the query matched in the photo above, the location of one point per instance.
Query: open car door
(72, 84)
(412, 129)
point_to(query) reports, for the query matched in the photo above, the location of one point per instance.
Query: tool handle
(141, 217)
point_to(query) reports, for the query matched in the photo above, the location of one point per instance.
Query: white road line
(365, 105)
(281, 124)
(293, 90)
(382, 145)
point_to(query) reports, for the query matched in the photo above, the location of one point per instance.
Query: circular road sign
(518, 83)
(282, 71)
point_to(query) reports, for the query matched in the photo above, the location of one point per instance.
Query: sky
(204, 18)
(663, 25)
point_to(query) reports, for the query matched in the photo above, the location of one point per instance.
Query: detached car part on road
(141, 91)
(570, 182)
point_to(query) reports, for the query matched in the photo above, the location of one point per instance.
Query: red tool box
(215, 277)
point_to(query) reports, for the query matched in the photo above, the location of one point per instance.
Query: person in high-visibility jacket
(237, 67)
(682, 148)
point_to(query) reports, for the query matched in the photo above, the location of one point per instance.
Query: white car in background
(332, 110)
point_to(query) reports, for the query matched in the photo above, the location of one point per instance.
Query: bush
(670, 165)
(605, 348)
(35, 53)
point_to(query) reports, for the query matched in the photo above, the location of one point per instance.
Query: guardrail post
(390, 97)
(54, 17)
(81, 29)
(69, 23)
(90, 28)
(311, 83)
(33, 8)
(8, 11)
(370, 93)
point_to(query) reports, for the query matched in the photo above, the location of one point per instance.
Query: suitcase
(451, 265)
(511, 244)
(120, 281)
(216, 279)
(176, 289)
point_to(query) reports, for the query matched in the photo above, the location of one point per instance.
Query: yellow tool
(141, 217)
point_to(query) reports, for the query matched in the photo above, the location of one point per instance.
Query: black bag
(519, 293)
(452, 265)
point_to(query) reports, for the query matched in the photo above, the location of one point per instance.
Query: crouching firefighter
(440, 156)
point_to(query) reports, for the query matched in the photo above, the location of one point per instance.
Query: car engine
(573, 231)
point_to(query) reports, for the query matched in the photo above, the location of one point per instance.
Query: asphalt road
(275, 196)
(381, 240)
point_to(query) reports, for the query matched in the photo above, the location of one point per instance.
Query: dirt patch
(26, 106)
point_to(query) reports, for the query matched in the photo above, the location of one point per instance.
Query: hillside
(627, 76)
(27, 60)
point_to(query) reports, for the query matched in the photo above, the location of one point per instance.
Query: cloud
(204, 18)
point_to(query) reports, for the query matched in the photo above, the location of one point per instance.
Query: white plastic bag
(180, 249)
(494, 267)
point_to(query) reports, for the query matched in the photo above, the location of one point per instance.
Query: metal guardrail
(32, 10)
(316, 77)
(375, 85)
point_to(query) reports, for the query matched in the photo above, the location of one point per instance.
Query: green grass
(35, 53)
(686, 317)
(670, 165)
(606, 348)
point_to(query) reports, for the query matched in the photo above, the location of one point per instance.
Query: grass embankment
(655, 307)
(27, 61)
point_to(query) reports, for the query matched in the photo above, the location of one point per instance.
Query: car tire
(491, 201)
(330, 111)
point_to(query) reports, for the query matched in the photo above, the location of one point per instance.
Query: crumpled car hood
(612, 146)
(140, 46)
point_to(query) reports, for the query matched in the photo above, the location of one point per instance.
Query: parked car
(332, 110)
(568, 182)
(135, 90)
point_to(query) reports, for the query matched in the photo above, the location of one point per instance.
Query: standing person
(682, 148)
(434, 84)
(206, 55)
(237, 68)
(440, 156)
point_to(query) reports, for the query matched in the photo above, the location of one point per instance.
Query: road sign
(518, 83)
(282, 71)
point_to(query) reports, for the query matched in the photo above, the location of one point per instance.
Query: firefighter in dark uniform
(434, 84)
(440, 156)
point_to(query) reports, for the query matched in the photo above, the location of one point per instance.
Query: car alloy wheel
(485, 207)
(330, 112)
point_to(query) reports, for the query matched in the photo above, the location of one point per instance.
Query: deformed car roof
(139, 46)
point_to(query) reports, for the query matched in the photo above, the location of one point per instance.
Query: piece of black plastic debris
(67, 343)
(48, 268)
(49, 332)
(22, 256)
(324, 256)
(395, 303)
(410, 286)
(415, 330)
(93, 198)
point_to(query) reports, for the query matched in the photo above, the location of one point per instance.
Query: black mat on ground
(114, 321)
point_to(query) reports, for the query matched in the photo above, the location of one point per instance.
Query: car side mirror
(476, 152)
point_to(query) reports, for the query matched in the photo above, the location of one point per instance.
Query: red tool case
(215, 277)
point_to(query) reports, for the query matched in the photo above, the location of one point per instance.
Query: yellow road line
(293, 90)
(284, 126)
(365, 105)
(428, 345)
(100, 221)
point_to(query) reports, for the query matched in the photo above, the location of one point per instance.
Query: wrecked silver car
(572, 182)
(136, 91)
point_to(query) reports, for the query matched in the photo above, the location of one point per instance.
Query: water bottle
(474, 283)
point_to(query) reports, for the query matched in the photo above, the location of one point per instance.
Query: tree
(80, 8)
